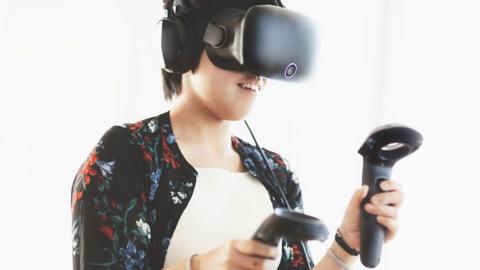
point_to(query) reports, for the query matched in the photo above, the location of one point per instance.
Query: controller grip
(371, 240)
(372, 234)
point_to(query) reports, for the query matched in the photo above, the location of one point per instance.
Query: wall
(71, 69)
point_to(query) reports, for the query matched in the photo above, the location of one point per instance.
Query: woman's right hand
(236, 255)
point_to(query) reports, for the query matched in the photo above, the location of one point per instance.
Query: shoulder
(121, 157)
(280, 166)
(130, 145)
(135, 133)
(248, 150)
(142, 129)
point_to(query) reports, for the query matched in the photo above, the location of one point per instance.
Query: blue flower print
(272, 163)
(170, 139)
(165, 243)
(132, 257)
(106, 167)
(155, 177)
(249, 164)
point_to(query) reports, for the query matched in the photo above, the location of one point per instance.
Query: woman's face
(227, 95)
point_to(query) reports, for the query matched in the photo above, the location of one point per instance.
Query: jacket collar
(249, 154)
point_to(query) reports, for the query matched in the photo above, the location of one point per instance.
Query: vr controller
(284, 223)
(382, 149)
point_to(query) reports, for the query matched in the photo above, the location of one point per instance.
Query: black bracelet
(344, 245)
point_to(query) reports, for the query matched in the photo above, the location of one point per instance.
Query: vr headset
(266, 40)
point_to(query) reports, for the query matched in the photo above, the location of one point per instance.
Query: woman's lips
(253, 85)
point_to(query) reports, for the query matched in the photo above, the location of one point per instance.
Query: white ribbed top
(225, 205)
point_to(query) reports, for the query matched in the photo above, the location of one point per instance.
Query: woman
(130, 197)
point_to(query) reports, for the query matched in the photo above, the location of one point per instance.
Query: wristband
(341, 242)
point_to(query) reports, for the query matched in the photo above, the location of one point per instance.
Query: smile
(251, 87)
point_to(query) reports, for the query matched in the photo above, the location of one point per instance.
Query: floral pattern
(129, 194)
(132, 258)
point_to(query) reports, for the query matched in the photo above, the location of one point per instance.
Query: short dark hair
(172, 82)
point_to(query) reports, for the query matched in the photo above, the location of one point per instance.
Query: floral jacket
(129, 194)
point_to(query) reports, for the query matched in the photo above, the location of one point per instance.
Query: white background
(70, 69)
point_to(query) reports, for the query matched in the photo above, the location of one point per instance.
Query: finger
(362, 192)
(358, 196)
(393, 197)
(389, 185)
(391, 225)
(241, 261)
(382, 210)
(256, 248)
(245, 261)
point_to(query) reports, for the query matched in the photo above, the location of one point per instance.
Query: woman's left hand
(385, 206)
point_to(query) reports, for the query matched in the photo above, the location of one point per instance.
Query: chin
(234, 114)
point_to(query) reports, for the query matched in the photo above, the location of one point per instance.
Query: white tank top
(225, 205)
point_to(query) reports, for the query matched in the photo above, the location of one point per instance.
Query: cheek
(226, 100)
(219, 92)
(215, 85)
(208, 89)
(235, 104)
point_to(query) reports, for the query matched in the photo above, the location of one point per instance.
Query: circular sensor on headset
(291, 70)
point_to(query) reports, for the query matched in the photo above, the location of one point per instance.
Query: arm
(109, 223)
(327, 263)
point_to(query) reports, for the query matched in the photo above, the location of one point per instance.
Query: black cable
(276, 182)
(279, 188)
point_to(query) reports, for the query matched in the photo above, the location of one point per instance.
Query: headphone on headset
(177, 37)
(180, 33)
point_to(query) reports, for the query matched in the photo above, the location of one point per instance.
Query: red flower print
(107, 231)
(86, 179)
(297, 256)
(169, 158)
(143, 197)
(279, 160)
(77, 195)
(136, 126)
(235, 143)
(147, 156)
(92, 159)
(88, 169)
